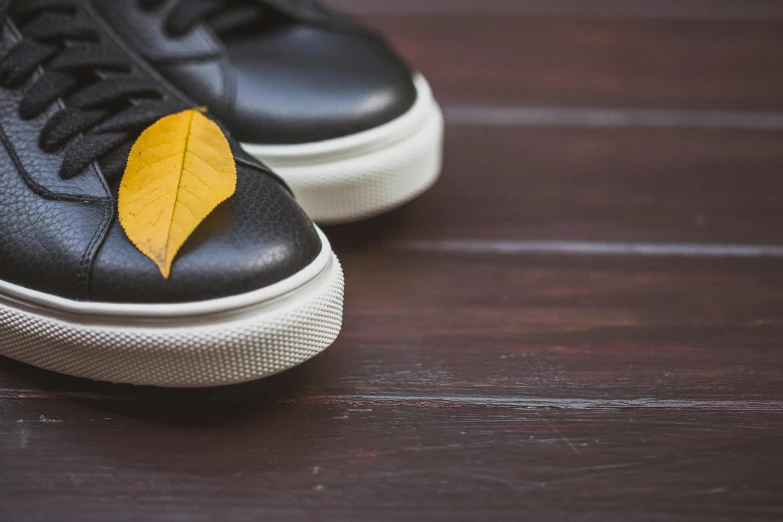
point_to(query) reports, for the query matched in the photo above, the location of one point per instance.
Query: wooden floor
(582, 321)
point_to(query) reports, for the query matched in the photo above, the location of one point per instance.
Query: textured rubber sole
(212, 343)
(366, 174)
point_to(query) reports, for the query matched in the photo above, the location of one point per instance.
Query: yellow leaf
(178, 171)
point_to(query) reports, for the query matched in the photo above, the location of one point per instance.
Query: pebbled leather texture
(45, 243)
(256, 238)
(311, 79)
(62, 237)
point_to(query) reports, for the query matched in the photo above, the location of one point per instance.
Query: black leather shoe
(254, 290)
(320, 99)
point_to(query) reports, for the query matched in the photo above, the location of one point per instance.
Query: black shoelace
(229, 15)
(105, 106)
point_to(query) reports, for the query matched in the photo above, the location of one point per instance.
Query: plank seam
(597, 117)
(593, 248)
(530, 403)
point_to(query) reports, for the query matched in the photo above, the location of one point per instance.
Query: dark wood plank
(524, 330)
(469, 386)
(503, 59)
(596, 184)
(623, 9)
(97, 461)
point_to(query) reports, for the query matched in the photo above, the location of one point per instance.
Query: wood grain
(597, 184)
(504, 59)
(478, 381)
(622, 9)
(94, 461)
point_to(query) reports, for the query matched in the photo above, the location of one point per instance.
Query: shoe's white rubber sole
(365, 174)
(209, 343)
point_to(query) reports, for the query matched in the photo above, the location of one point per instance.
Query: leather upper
(62, 237)
(305, 80)
(254, 239)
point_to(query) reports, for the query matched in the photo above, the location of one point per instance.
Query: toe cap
(301, 84)
(256, 238)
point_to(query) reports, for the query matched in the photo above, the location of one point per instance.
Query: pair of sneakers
(314, 109)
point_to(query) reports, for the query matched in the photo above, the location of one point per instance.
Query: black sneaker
(256, 289)
(318, 98)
